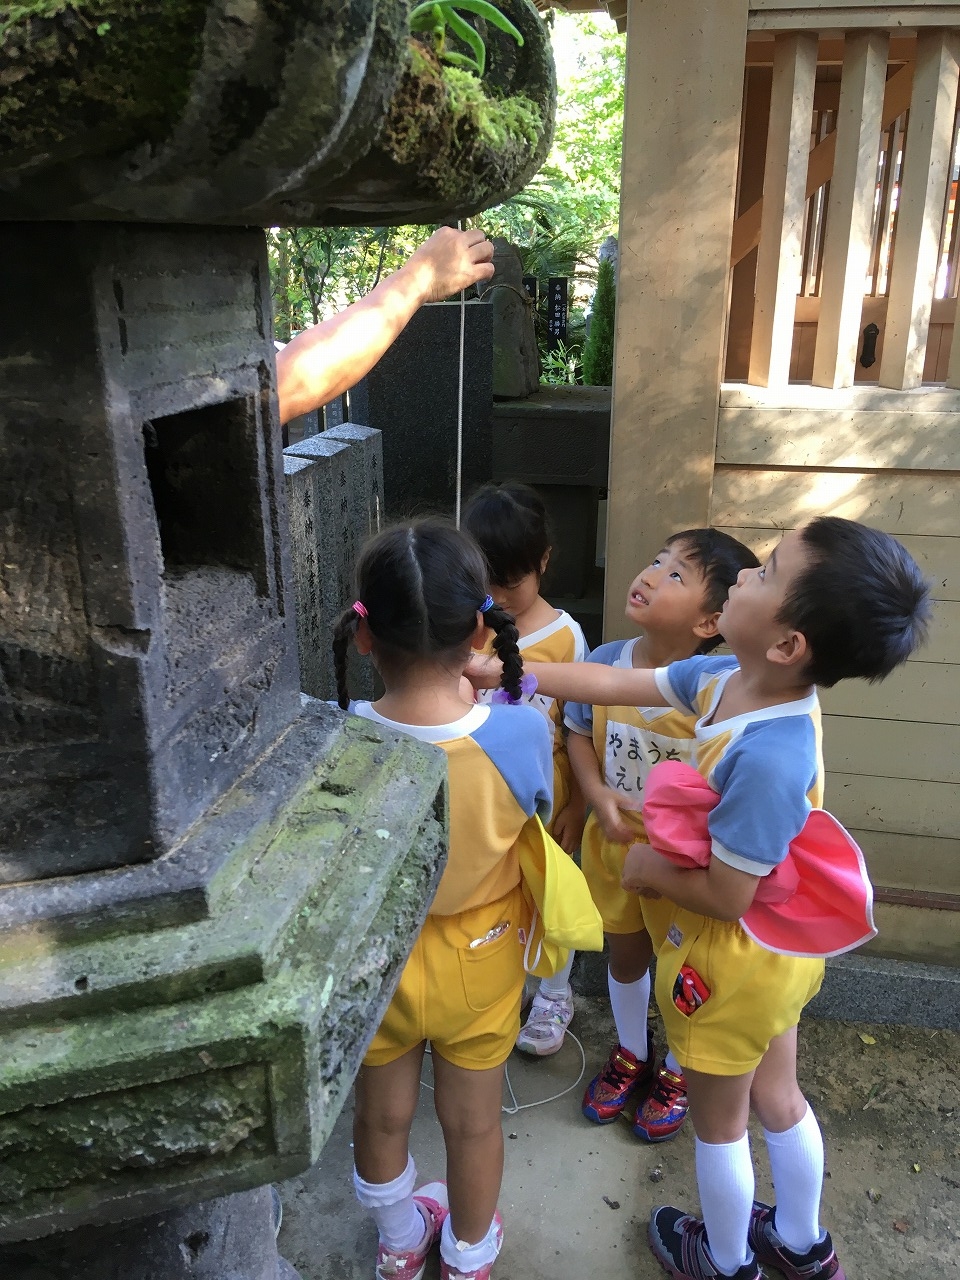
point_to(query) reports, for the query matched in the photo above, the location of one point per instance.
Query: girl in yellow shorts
(422, 604)
(509, 521)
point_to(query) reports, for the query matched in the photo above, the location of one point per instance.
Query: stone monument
(210, 884)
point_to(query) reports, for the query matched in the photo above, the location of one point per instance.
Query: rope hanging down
(463, 325)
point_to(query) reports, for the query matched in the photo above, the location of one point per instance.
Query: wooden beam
(840, 16)
(896, 99)
(779, 261)
(926, 167)
(829, 51)
(846, 250)
(684, 92)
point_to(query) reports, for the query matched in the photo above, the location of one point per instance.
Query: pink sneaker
(431, 1200)
(481, 1273)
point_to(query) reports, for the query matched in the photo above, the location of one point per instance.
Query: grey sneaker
(546, 1024)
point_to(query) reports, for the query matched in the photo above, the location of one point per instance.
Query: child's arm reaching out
(717, 890)
(590, 682)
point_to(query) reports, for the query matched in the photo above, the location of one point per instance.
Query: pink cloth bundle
(817, 902)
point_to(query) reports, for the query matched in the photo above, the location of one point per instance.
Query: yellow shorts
(602, 864)
(754, 994)
(465, 1000)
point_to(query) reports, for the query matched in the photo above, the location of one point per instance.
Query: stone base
(231, 1238)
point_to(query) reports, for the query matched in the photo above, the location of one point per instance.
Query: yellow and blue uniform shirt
(462, 985)
(628, 742)
(767, 768)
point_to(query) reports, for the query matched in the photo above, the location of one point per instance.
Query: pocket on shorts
(492, 970)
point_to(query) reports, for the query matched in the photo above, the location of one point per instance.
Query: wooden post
(925, 168)
(784, 204)
(681, 132)
(846, 251)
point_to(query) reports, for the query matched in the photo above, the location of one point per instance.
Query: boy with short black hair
(835, 600)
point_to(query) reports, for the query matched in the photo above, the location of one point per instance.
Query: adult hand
(449, 261)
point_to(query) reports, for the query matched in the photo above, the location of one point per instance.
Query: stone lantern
(208, 885)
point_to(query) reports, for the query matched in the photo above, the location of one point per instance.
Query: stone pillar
(212, 885)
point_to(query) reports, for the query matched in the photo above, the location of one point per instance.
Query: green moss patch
(94, 75)
(443, 122)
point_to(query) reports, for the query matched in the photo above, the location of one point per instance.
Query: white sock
(469, 1257)
(672, 1064)
(558, 986)
(725, 1183)
(796, 1161)
(630, 1002)
(391, 1205)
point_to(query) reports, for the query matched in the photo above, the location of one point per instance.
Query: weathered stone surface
(323, 477)
(257, 113)
(145, 614)
(230, 1238)
(516, 362)
(146, 1070)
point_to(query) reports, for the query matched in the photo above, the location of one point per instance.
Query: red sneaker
(622, 1077)
(661, 1115)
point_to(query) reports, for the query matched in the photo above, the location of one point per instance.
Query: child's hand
(612, 823)
(483, 671)
(568, 827)
(639, 865)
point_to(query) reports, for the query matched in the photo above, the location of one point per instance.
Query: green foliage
(556, 222)
(436, 17)
(598, 352)
(561, 366)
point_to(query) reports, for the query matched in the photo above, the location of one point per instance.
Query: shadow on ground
(576, 1197)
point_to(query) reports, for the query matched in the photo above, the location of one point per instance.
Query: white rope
(463, 326)
(540, 1102)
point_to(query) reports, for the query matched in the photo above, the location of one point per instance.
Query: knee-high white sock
(725, 1183)
(672, 1064)
(630, 1002)
(469, 1257)
(392, 1207)
(555, 987)
(796, 1161)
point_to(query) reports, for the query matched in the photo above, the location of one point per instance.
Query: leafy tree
(598, 351)
(556, 222)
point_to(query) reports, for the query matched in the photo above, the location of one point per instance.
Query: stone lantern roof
(255, 112)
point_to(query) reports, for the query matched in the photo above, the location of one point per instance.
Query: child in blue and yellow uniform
(676, 603)
(835, 601)
(509, 521)
(422, 603)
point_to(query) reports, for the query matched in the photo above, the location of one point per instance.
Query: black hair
(720, 559)
(509, 521)
(860, 601)
(421, 585)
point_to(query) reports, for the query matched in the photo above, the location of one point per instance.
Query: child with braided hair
(509, 521)
(422, 604)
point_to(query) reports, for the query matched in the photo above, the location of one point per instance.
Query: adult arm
(323, 362)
